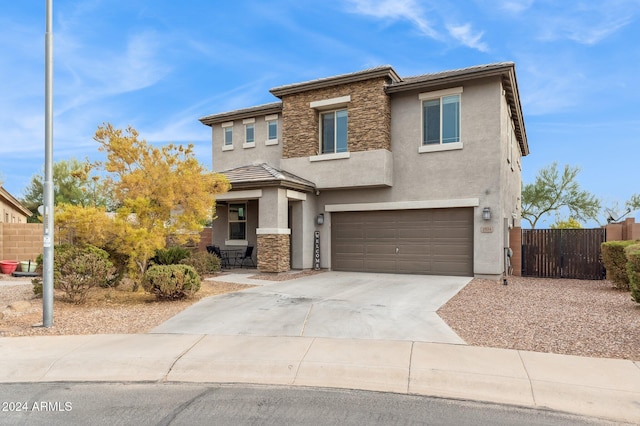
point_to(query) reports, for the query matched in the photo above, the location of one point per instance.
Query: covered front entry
(422, 241)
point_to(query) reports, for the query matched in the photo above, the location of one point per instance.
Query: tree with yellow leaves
(160, 192)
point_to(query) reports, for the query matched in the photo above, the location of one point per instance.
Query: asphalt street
(111, 404)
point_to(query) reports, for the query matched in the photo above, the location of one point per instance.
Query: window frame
(440, 95)
(249, 123)
(272, 119)
(236, 241)
(227, 136)
(335, 131)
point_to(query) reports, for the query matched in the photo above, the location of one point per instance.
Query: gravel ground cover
(107, 311)
(574, 317)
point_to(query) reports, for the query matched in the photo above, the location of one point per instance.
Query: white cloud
(408, 10)
(515, 6)
(414, 12)
(586, 23)
(464, 34)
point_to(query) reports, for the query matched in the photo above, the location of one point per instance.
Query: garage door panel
(350, 249)
(433, 241)
(380, 249)
(348, 233)
(380, 234)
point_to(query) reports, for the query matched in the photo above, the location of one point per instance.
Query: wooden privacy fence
(563, 253)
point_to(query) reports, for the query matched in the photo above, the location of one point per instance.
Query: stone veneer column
(273, 252)
(273, 233)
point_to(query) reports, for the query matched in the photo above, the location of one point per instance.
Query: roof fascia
(335, 81)
(14, 202)
(272, 108)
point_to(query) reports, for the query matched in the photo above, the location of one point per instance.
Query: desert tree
(552, 191)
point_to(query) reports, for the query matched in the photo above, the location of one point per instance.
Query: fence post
(515, 242)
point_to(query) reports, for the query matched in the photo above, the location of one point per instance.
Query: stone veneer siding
(273, 252)
(369, 125)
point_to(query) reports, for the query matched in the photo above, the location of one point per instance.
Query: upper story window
(227, 129)
(272, 129)
(333, 130)
(441, 120)
(334, 119)
(249, 133)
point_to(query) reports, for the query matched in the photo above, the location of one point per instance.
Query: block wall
(20, 241)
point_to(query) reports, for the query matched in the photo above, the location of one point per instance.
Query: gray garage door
(433, 241)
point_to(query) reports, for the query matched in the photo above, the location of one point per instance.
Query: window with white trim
(249, 132)
(227, 129)
(333, 131)
(273, 130)
(237, 221)
(441, 117)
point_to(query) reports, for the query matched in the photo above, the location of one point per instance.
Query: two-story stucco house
(376, 172)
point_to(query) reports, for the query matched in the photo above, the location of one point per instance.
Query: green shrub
(76, 270)
(633, 270)
(171, 282)
(204, 263)
(170, 255)
(615, 262)
(37, 287)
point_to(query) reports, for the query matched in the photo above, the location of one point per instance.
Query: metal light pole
(47, 254)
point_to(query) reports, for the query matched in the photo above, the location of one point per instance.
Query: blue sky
(159, 65)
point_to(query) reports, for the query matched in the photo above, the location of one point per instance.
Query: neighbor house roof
(10, 199)
(261, 175)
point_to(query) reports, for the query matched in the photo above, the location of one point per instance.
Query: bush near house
(633, 270)
(204, 263)
(76, 270)
(171, 282)
(170, 255)
(615, 262)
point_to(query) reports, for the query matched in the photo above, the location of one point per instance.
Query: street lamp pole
(47, 220)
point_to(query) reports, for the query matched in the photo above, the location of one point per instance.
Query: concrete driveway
(331, 304)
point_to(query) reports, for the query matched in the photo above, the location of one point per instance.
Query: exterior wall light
(486, 213)
(320, 219)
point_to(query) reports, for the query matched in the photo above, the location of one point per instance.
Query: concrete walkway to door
(331, 304)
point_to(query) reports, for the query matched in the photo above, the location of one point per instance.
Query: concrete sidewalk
(603, 388)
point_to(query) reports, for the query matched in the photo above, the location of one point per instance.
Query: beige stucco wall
(478, 175)
(241, 156)
(478, 171)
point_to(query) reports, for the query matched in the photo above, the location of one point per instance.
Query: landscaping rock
(20, 306)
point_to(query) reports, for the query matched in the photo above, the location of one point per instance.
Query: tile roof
(375, 72)
(263, 174)
(238, 114)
